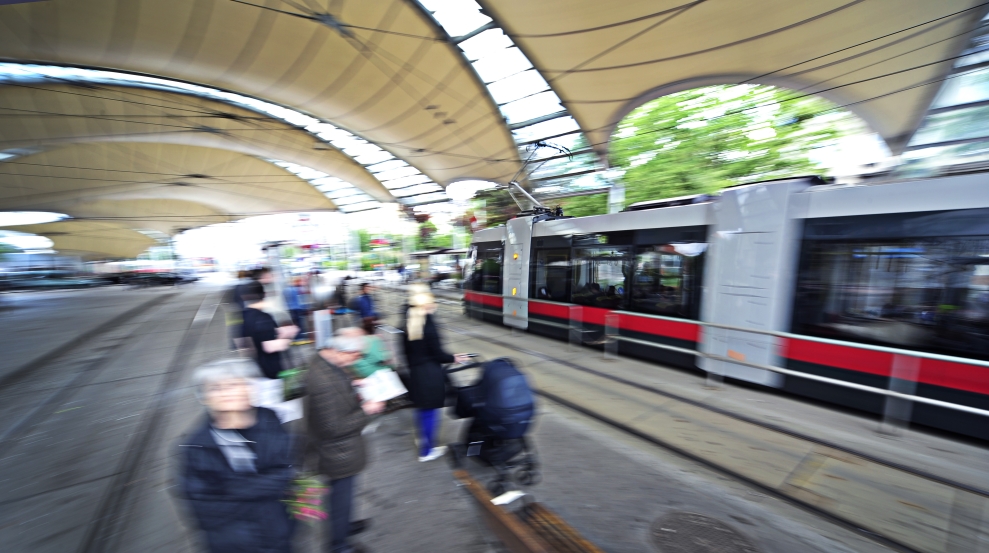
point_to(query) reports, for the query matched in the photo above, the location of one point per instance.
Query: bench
(532, 529)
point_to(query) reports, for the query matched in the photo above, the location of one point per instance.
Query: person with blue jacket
(237, 466)
(298, 305)
(364, 307)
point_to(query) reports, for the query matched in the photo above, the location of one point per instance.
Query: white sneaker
(434, 453)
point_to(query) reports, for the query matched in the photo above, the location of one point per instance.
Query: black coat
(334, 419)
(425, 358)
(240, 512)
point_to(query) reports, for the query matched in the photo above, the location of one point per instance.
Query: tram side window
(551, 275)
(667, 280)
(600, 277)
(929, 294)
(486, 276)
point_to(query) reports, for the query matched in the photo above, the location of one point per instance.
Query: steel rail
(768, 490)
(769, 426)
(62, 349)
(88, 371)
(103, 532)
(714, 464)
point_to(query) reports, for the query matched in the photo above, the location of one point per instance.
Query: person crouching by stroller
(425, 357)
(237, 465)
(336, 416)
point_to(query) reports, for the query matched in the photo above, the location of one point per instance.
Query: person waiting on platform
(425, 357)
(364, 308)
(376, 355)
(298, 304)
(269, 338)
(237, 465)
(335, 417)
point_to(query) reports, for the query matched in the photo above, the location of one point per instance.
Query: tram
(822, 273)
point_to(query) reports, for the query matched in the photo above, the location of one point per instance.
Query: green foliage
(374, 260)
(441, 241)
(364, 240)
(340, 265)
(8, 248)
(496, 206)
(424, 237)
(582, 206)
(703, 140)
(706, 139)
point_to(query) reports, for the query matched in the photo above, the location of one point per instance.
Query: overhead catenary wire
(78, 167)
(625, 41)
(427, 151)
(101, 179)
(370, 52)
(313, 15)
(605, 26)
(709, 49)
(123, 88)
(887, 35)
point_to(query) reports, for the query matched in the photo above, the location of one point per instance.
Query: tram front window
(486, 276)
(667, 280)
(599, 277)
(928, 294)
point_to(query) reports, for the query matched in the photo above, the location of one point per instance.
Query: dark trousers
(341, 502)
(299, 319)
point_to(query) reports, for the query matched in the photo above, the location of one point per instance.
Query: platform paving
(922, 513)
(610, 485)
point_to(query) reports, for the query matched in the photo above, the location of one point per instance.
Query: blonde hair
(420, 298)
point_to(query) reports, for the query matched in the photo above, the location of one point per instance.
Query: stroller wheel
(496, 488)
(528, 477)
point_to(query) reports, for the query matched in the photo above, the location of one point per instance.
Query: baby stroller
(502, 407)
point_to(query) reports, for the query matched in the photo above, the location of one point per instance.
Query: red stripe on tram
(485, 299)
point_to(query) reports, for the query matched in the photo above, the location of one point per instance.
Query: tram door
(516, 283)
(752, 262)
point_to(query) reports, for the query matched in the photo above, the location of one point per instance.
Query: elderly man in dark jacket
(237, 466)
(336, 416)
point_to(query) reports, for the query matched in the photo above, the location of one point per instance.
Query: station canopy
(91, 239)
(222, 109)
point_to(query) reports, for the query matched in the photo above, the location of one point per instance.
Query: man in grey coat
(335, 417)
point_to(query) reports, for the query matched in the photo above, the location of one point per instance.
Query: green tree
(706, 139)
(425, 236)
(582, 206)
(437, 241)
(364, 240)
(494, 207)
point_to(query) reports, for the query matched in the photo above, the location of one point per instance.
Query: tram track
(795, 488)
(54, 354)
(106, 511)
(83, 375)
(105, 528)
